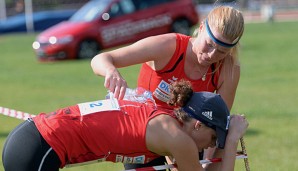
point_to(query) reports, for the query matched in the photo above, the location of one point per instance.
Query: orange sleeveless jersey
(158, 81)
(107, 135)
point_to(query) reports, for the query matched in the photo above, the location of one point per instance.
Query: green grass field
(267, 91)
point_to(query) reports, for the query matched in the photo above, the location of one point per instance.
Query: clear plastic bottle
(138, 94)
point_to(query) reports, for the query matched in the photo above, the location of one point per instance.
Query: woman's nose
(211, 53)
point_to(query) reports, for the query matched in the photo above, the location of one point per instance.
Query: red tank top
(158, 81)
(99, 131)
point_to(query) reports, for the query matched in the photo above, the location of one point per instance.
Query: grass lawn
(267, 92)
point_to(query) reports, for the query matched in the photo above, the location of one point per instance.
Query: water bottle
(138, 94)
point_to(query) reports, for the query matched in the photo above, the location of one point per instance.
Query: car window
(213, 1)
(121, 8)
(115, 10)
(127, 6)
(143, 4)
(90, 11)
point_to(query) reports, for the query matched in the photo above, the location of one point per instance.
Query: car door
(156, 16)
(117, 24)
(132, 20)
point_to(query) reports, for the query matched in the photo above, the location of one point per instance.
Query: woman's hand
(115, 83)
(238, 126)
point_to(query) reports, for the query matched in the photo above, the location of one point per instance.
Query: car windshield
(90, 11)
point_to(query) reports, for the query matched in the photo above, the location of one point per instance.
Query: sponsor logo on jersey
(119, 158)
(161, 95)
(128, 159)
(164, 86)
(162, 92)
(173, 79)
(139, 159)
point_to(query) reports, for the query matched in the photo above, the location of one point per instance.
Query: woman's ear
(201, 26)
(198, 124)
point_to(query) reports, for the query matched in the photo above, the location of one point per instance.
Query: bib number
(98, 106)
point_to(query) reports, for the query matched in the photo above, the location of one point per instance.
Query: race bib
(98, 106)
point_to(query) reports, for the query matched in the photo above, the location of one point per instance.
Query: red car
(102, 24)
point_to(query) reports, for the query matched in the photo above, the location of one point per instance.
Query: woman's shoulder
(161, 130)
(164, 119)
(167, 135)
(158, 41)
(168, 37)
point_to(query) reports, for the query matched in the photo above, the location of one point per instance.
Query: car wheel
(181, 26)
(88, 49)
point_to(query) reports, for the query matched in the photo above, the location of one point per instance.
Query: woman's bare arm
(157, 49)
(237, 129)
(228, 81)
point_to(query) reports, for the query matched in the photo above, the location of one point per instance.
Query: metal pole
(2, 10)
(29, 16)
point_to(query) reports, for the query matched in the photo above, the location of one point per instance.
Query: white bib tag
(98, 106)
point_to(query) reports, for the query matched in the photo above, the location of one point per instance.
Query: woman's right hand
(115, 83)
(238, 126)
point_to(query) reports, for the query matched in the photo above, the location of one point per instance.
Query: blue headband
(216, 40)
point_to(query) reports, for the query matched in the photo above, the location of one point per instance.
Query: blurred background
(35, 15)
(254, 10)
(14, 7)
(93, 26)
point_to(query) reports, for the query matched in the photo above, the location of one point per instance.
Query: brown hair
(181, 92)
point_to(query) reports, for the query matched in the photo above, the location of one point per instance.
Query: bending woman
(129, 132)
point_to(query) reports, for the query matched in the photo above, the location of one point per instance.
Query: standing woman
(209, 60)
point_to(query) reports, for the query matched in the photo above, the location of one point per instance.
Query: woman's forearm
(228, 156)
(101, 63)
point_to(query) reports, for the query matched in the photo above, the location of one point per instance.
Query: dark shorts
(26, 150)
